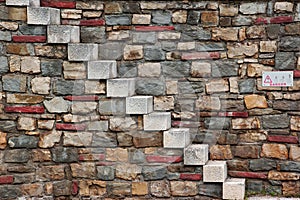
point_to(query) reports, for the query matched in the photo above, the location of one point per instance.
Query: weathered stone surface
(186, 188)
(217, 85)
(40, 85)
(278, 151)
(255, 101)
(234, 188)
(43, 16)
(10, 191)
(118, 20)
(122, 124)
(14, 83)
(83, 170)
(294, 153)
(284, 60)
(209, 18)
(23, 141)
(262, 164)
(282, 176)
(211, 189)
(289, 166)
(224, 68)
(3, 140)
(26, 123)
(283, 7)
(157, 121)
(201, 69)
(161, 17)
(164, 103)
(82, 52)
(255, 32)
(51, 67)
(228, 10)
(104, 139)
(64, 155)
(128, 171)
(63, 34)
(253, 136)
(215, 171)
(179, 16)
(95, 87)
(57, 105)
(289, 43)
(275, 121)
(238, 50)
(290, 188)
(227, 34)
(48, 139)
(154, 87)
(92, 187)
(141, 19)
(248, 123)
(246, 151)
(253, 8)
(4, 65)
(208, 103)
(93, 35)
(16, 156)
(83, 107)
(154, 172)
(24, 98)
(105, 173)
(62, 87)
(255, 70)
(78, 139)
(220, 152)
(153, 53)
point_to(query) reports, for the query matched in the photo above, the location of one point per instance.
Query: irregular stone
(149, 70)
(201, 69)
(175, 69)
(140, 188)
(255, 101)
(255, 32)
(144, 37)
(220, 152)
(10, 191)
(253, 136)
(217, 123)
(83, 107)
(98, 126)
(289, 166)
(92, 187)
(24, 98)
(117, 154)
(3, 140)
(104, 139)
(51, 67)
(248, 123)
(133, 52)
(64, 155)
(186, 188)
(164, 103)
(62, 87)
(262, 164)
(30, 65)
(154, 172)
(154, 87)
(246, 151)
(40, 85)
(26, 123)
(57, 51)
(122, 124)
(290, 188)
(255, 70)
(119, 189)
(224, 68)
(141, 19)
(79, 139)
(285, 60)
(91, 5)
(238, 50)
(253, 8)
(227, 34)
(35, 189)
(105, 173)
(4, 65)
(275, 121)
(161, 17)
(83, 170)
(228, 10)
(289, 43)
(8, 126)
(242, 20)
(283, 7)
(153, 53)
(57, 105)
(16, 156)
(128, 171)
(14, 83)
(148, 139)
(208, 103)
(209, 18)
(278, 151)
(294, 153)
(49, 173)
(246, 86)
(217, 85)
(193, 17)
(210, 189)
(95, 87)
(93, 35)
(71, 14)
(136, 156)
(61, 188)
(23, 141)
(179, 16)
(113, 20)
(268, 46)
(17, 13)
(282, 176)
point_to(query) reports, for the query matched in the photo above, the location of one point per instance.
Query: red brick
(29, 38)
(92, 22)
(2, 0)
(91, 157)
(241, 174)
(283, 139)
(191, 177)
(58, 4)
(25, 109)
(164, 159)
(185, 124)
(154, 28)
(200, 55)
(70, 127)
(261, 20)
(297, 73)
(6, 179)
(75, 188)
(233, 114)
(82, 98)
(281, 19)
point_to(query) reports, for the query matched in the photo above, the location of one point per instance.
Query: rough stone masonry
(148, 99)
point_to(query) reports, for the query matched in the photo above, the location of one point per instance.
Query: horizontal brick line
(6, 179)
(233, 114)
(58, 4)
(191, 177)
(25, 109)
(82, 98)
(283, 139)
(200, 55)
(274, 20)
(164, 159)
(92, 22)
(242, 174)
(296, 73)
(70, 127)
(29, 38)
(154, 28)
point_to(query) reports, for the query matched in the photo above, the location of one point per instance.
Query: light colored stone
(83, 170)
(92, 14)
(179, 16)
(255, 70)
(172, 87)
(153, 5)
(15, 63)
(117, 155)
(69, 118)
(17, 2)
(74, 70)
(234, 86)
(196, 154)
(283, 7)
(57, 105)
(118, 35)
(98, 126)
(295, 123)
(157, 121)
(26, 123)
(95, 87)
(24, 98)
(45, 124)
(177, 138)
(141, 19)
(63, 34)
(83, 107)
(127, 171)
(30, 65)
(227, 10)
(294, 153)
(184, 188)
(78, 139)
(215, 171)
(11, 26)
(208, 103)
(139, 105)
(283, 176)
(49, 139)
(43, 16)
(255, 101)
(34, 3)
(277, 151)
(133, 52)
(217, 85)
(248, 123)
(40, 85)
(82, 52)
(227, 34)
(71, 14)
(164, 103)
(149, 70)
(234, 188)
(122, 124)
(200, 69)
(3, 140)
(268, 46)
(120, 87)
(238, 50)
(253, 8)
(168, 35)
(185, 46)
(103, 69)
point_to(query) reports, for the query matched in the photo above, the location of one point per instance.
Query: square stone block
(234, 188)
(17, 2)
(122, 87)
(177, 138)
(82, 52)
(139, 105)
(215, 171)
(157, 121)
(63, 34)
(113, 106)
(196, 154)
(102, 69)
(43, 16)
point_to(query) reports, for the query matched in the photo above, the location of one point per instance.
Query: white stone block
(234, 188)
(157, 121)
(43, 16)
(196, 154)
(177, 138)
(102, 69)
(17, 2)
(63, 34)
(34, 3)
(122, 87)
(139, 105)
(215, 171)
(82, 52)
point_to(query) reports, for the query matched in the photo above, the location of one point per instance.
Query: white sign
(277, 79)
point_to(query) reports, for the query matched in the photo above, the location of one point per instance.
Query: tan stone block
(179, 16)
(48, 188)
(11, 26)
(14, 63)
(234, 86)
(34, 189)
(290, 188)
(3, 140)
(30, 65)
(268, 46)
(295, 123)
(133, 52)
(254, 32)
(112, 7)
(139, 188)
(17, 13)
(283, 7)
(71, 14)
(172, 87)
(118, 35)
(92, 14)
(255, 70)
(217, 85)
(24, 98)
(283, 176)
(46, 124)
(239, 50)
(255, 101)
(200, 69)
(242, 34)
(41, 85)
(149, 70)
(246, 123)
(48, 139)
(253, 136)
(228, 10)
(294, 153)
(160, 188)
(18, 49)
(128, 171)
(141, 19)
(186, 188)
(83, 170)
(90, 5)
(164, 103)
(95, 87)
(153, 5)
(168, 35)
(53, 172)
(220, 152)
(26, 123)
(278, 151)
(92, 187)
(209, 18)
(117, 154)
(41, 155)
(227, 34)
(209, 103)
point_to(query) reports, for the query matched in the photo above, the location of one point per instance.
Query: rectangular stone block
(63, 34)
(43, 16)
(157, 121)
(120, 87)
(105, 69)
(17, 2)
(82, 52)
(234, 188)
(139, 105)
(196, 154)
(177, 138)
(114, 106)
(215, 171)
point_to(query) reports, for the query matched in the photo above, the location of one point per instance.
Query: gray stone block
(161, 17)
(62, 87)
(157, 121)
(154, 87)
(152, 53)
(102, 69)
(105, 173)
(112, 106)
(285, 60)
(104, 139)
(176, 69)
(64, 155)
(128, 69)
(275, 121)
(139, 105)
(215, 171)
(5, 36)
(16, 156)
(193, 17)
(14, 83)
(98, 126)
(154, 172)
(120, 87)
(247, 86)
(289, 43)
(32, 29)
(118, 20)
(17, 2)
(3, 65)
(234, 188)
(111, 51)
(144, 37)
(177, 138)
(82, 52)
(63, 34)
(92, 34)
(51, 67)
(224, 68)
(43, 16)
(196, 154)
(23, 141)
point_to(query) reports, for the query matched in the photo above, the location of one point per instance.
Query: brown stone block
(15, 13)
(209, 18)
(278, 151)
(186, 188)
(255, 101)
(291, 188)
(18, 49)
(247, 151)
(3, 140)
(220, 152)
(283, 176)
(139, 188)
(92, 187)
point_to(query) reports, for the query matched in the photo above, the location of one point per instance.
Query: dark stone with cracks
(62, 188)
(8, 126)
(153, 87)
(262, 164)
(211, 189)
(62, 87)
(154, 172)
(92, 34)
(128, 69)
(23, 141)
(192, 33)
(16, 156)
(153, 53)
(275, 121)
(289, 44)
(176, 69)
(193, 17)
(106, 173)
(51, 67)
(64, 155)
(10, 191)
(290, 166)
(285, 60)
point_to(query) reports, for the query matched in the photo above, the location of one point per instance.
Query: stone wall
(129, 99)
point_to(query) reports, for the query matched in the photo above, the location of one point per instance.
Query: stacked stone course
(148, 99)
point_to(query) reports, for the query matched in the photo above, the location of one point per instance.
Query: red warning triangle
(268, 79)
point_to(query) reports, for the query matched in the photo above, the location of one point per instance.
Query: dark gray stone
(64, 155)
(5, 36)
(273, 190)
(106, 173)
(8, 126)
(262, 164)
(112, 107)
(32, 29)
(289, 43)
(192, 33)
(2, 51)
(14, 83)
(168, 46)
(24, 178)
(62, 188)
(102, 139)
(3, 12)
(112, 20)
(51, 67)
(233, 105)
(285, 60)
(10, 191)
(62, 87)
(154, 87)
(276, 121)
(136, 156)
(190, 87)
(153, 53)
(176, 69)
(193, 17)
(144, 37)
(224, 68)
(131, 7)
(241, 20)
(286, 105)
(111, 51)
(211, 46)
(185, 105)
(128, 69)
(154, 172)
(16, 156)
(290, 166)
(217, 123)
(92, 34)
(254, 186)
(211, 189)
(161, 17)
(273, 31)
(225, 21)
(23, 141)
(3, 65)
(246, 86)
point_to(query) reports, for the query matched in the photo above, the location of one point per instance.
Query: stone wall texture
(148, 99)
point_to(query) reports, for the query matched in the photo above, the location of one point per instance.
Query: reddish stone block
(93, 22)
(58, 4)
(164, 159)
(25, 109)
(70, 127)
(241, 174)
(2, 1)
(261, 20)
(154, 28)
(105, 163)
(191, 177)
(281, 19)
(82, 98)
(296, 73)
(233, 114)
(283, 139)
(6, 179)
(75, 188)
(29, 38)
(200, 55)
